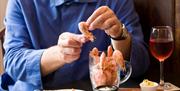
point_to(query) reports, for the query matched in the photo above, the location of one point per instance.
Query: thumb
(78, 37)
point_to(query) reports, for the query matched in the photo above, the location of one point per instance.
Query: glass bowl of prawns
(108, 69)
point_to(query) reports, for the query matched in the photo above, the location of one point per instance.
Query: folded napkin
(171, 87)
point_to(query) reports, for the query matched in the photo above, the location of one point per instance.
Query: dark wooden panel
(154, 13)
(176, 56)
(161, 12)
(2, 32)
(157, 13)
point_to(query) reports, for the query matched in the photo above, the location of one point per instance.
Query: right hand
(70, 46)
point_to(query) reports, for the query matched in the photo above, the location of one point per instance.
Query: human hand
(104, 18)
(70, 46)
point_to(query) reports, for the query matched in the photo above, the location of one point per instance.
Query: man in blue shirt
(44, 47)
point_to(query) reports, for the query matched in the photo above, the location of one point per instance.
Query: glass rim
(163, 27)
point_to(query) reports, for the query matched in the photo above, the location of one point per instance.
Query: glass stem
(161, 73)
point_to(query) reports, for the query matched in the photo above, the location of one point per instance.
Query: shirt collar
(60, 2)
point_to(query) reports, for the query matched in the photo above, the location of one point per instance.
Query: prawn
(83, 27)
(94, 52)
(109, 51)
(117, 56)
(102, 60)
(107, 65)
(95, 55)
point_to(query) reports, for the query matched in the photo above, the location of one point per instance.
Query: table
(130, 85)
(129, 89)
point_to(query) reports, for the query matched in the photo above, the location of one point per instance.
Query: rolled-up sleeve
(139, 56)
(21, 59)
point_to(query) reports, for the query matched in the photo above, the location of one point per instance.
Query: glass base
(106, 88)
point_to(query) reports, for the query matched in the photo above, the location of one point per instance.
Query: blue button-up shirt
(34, 25)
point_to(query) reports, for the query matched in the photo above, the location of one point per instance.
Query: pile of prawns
(105, 70)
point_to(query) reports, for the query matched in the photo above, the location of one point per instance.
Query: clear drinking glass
(161, 46)
(107, 79)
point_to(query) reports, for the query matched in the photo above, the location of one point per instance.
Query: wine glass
(161, 46)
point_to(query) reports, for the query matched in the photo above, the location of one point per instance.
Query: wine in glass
(161, 46)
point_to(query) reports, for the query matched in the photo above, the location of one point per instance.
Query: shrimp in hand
(83, 27)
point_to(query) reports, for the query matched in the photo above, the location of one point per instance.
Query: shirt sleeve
(21, 59)
(139, 56)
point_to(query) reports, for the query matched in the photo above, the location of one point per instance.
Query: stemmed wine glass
(161, 46)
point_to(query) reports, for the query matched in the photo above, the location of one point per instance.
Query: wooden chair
(2, 32)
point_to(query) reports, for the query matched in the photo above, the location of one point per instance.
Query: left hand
(104, 18)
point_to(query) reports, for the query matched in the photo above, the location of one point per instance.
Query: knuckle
(68, 42)
(63, 35)
(93, 24)
(105, 27)
(111, 13)
(63, 56)
(73, 50)
(76, 57)
(105, 7)
(77, 51)
(96, 24)
(115, 27)
(106, 24)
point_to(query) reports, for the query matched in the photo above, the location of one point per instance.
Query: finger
(70, 58)
(74, 57)
(97, 23)
(71, 40)
(70, 43)
(109, 51)
(77, 37)
(83, 27)
(109, 23)
(113, 31)
(71, 51)
(96, 13)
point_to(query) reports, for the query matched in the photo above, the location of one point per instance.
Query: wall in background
(177, 39)
(177, 33)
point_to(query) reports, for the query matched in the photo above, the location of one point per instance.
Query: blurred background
(159, 13)
(152, 13)
(3, 4)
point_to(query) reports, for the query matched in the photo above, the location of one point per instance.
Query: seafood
(95, 55)
(117, 56)
(94, 52)
(107, 66)
(83, 27)
(109, 51)
(102, 60)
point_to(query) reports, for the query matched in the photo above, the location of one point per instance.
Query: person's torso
(45, 21)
